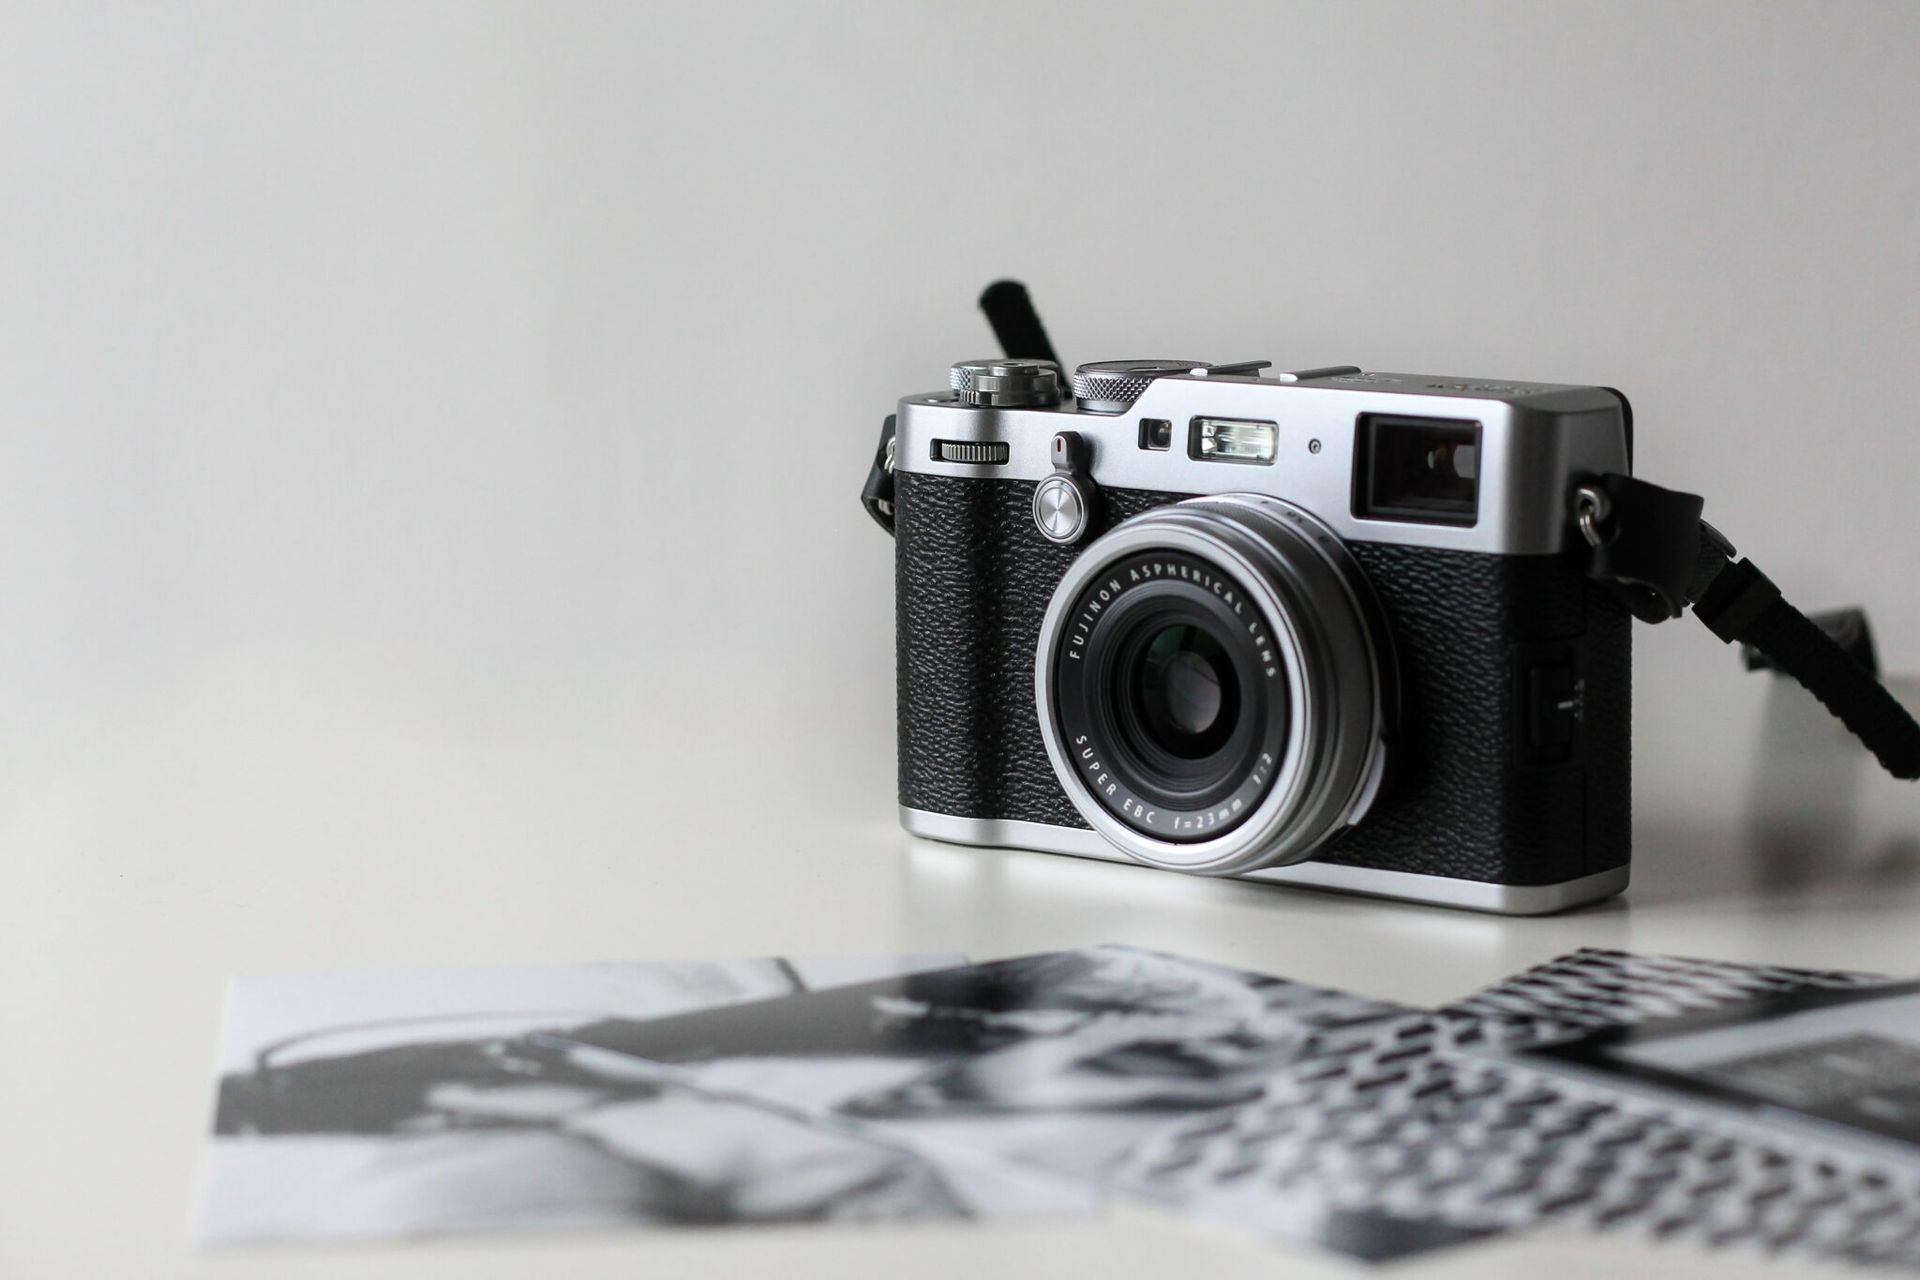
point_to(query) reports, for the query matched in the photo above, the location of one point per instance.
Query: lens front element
(1185, 690)
(1208, 685)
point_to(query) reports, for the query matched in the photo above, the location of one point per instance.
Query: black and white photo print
(1082, 1064)
(365, 1105)
(1430, 1122)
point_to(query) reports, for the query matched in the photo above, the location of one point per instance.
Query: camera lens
(1211, 680)
(1170, 676)
(1184, 691)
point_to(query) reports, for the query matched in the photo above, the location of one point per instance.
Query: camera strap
(877, 494)
(1016, 324)
(1658, 557)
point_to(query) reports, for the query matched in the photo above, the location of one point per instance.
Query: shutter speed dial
(1110, 386)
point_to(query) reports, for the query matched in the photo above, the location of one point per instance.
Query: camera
(1329, 628)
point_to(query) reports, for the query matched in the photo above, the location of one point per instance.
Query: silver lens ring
(1334, 676)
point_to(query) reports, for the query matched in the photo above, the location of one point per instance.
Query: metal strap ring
(1590, 512)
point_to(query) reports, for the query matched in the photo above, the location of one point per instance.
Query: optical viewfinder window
(1425, 470)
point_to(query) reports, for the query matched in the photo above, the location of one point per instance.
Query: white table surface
(262, 823)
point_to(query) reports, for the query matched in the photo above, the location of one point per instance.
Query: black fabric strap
(1015, 323)
(1643, 552)
(1740, 604)
(1847, 628)
(877, 494)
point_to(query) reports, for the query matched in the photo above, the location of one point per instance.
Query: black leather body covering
(1466, 797)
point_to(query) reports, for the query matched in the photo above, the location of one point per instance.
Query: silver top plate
(1537, 441)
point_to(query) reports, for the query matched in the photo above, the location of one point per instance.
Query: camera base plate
(1439, 891)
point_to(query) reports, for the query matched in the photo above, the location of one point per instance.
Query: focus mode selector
(1110, 386)
(1553, 701)
(1006, 384)
(1550, 697)
(1063, 502)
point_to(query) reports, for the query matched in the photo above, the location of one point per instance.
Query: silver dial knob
(1110, 386)
(1006, 384)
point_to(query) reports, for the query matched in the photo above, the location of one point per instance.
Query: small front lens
(1186, 691)
(1156, 433)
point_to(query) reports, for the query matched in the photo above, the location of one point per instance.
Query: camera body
(1329, 628)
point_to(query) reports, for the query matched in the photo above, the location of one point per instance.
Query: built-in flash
(1228, 440)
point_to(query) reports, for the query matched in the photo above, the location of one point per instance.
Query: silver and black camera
(1327, 628)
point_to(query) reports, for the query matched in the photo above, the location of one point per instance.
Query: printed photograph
(404, 1104)
(1599, 1157)
(1110, 1067)
(1422, 1129)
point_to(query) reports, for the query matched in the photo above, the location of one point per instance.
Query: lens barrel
(1213, 680)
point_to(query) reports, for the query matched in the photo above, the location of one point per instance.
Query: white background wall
(406, 352)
